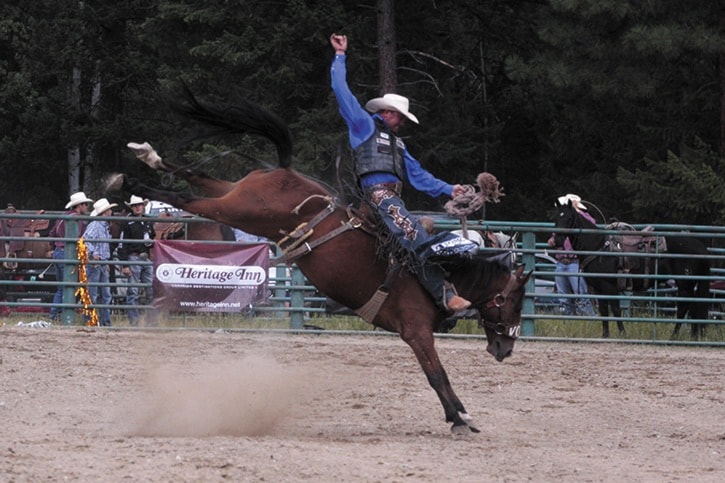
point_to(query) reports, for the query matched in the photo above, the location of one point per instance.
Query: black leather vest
(382, 153)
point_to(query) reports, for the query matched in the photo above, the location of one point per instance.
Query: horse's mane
(482, 270)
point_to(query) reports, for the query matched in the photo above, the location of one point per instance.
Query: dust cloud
(243, 397)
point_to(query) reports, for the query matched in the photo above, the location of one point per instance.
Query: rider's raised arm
(360, 125)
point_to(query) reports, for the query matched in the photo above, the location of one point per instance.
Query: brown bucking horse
(327, 242)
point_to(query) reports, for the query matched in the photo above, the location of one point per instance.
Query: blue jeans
(414, 239)
(100, 294)
(572, 285)
(58, 254)
(139, 274)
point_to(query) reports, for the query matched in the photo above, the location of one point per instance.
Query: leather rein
(501, 326)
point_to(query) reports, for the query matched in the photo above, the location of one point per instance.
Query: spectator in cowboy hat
(576, 202)
(137, 237)
(77, 205)
(99, 254)
(382, 163)
(568, 263)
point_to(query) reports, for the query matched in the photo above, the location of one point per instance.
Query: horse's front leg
(424, 349)
(617, 312)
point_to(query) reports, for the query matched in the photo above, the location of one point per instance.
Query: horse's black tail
(244, 118)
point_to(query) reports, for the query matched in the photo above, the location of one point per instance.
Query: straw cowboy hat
(102, 205)
(77, 199)
(391, 102)
(136, 200)
(576, 201)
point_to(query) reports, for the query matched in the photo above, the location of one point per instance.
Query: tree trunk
(722, 83)
(386, 46)
(90, 161)
(74, 152)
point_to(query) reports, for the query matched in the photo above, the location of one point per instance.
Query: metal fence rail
(293, 297)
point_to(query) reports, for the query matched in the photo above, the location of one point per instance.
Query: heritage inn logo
(188, 274)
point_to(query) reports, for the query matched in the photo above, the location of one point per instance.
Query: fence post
(529, 308)
(68, 314)
(297, 299)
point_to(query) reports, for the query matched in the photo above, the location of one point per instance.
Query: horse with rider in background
(658, 255)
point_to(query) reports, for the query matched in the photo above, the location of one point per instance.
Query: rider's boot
(451, 300)
(457, 303)
(432, 277)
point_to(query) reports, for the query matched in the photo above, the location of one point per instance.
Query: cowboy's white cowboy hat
(136, 200)
(392, 102)
(77, 199)
(576, 201)
(102, 205)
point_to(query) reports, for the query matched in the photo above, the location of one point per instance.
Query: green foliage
(685, 189)
(551, 97)
(613, 82)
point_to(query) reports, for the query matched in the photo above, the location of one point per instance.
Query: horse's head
(566, 218)
(501, 314)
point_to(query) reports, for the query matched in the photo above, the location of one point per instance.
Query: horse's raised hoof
(114, 182)
(146, 153)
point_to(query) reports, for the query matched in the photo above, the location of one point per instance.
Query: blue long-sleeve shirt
(361, 126)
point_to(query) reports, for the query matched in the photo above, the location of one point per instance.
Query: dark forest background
(620, 101)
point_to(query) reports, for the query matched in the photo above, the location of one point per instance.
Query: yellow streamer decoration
(82, 292)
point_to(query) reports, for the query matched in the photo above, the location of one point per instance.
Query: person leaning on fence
(100, 251)
(77, 205)
(136, 241)
(568, 263)
(382, 163)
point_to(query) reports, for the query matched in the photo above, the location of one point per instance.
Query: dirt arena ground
(80, 405)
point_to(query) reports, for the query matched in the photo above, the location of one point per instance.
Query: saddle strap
(370, 309)
(294, 252)
(294, 239)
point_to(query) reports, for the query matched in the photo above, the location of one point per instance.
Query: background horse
(335, 254)
(569, 218)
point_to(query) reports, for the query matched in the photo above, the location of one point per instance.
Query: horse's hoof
(463, 430)
(139, 149)
(114, 182)
(465, 426)
(146, 153)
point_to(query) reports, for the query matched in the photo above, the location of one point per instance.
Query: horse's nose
(499, 351)
(504, 354)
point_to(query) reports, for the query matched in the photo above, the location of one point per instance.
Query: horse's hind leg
(604, 312)
(185, 201)
(617, 312)
(423, 347)
(208, 185)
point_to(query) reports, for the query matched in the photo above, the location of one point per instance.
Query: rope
(469, 200)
